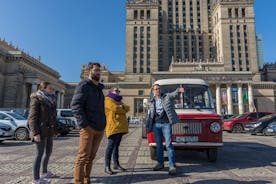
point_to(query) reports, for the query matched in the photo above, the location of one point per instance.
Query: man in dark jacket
(88, 108)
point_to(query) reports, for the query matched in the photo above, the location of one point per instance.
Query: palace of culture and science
(214, 40)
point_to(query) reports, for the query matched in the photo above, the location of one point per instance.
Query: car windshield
(16, 116)
(265, 118)
(194, 97)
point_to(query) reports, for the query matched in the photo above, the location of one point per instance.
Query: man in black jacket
(88, 108)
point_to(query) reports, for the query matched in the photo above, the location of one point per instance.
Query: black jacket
(88, 105)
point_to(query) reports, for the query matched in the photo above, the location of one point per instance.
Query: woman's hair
(43, 85)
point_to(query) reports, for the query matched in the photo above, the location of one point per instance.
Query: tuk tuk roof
(181, 81)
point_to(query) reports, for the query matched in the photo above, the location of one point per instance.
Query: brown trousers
(90, 140)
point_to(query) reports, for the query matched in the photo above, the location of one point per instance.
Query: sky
(69, 33)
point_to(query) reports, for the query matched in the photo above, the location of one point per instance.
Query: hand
(37, 138)
(181, 90)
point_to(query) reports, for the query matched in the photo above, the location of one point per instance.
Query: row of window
(142, 14)
(236, 12)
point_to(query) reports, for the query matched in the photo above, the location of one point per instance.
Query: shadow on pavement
(237, 155)
(15, 143)
(229, 181)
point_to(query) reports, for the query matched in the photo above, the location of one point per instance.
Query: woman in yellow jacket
(116, 127)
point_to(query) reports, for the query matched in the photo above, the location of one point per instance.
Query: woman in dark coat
(42, 123)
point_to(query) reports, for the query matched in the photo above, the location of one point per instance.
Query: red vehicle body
(200, 128)
(238, 123)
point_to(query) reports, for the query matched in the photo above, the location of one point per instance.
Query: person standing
(42, 123)
(88, 108)
(116, 127)
(161, 116)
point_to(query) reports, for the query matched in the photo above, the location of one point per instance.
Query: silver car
(6, 132)
(18, 124)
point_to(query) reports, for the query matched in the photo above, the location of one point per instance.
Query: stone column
(240, 99)
(24, 96)
(229, 99)
(218, 99)
(58, 99)
(251, 105)
(61, 100)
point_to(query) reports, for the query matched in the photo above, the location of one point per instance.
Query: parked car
(265, 125)
(134, 120)
(18, 124)
(6, 132)
(62, 126)
(67, 114)
(237, 124)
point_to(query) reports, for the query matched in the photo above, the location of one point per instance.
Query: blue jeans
(47, 145)
(160, 130)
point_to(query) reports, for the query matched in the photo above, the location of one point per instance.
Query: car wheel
(237, 128)
(21, 134)
(212, 154)
(1, 141)
(153, 154)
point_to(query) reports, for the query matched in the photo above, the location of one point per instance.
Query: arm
(175, 93)
(78, 105)
(111, 106)
(33, 119)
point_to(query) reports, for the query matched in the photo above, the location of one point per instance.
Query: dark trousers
(47, 145)
(113, 149)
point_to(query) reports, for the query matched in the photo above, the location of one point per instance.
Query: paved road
(243, 159)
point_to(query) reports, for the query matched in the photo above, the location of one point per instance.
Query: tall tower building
(220, 34)
(234, 35)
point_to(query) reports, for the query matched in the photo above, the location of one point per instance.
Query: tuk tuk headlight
(215, 127)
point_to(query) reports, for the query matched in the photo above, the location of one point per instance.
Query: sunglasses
(117, 91)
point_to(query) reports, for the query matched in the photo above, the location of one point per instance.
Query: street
(243, 159)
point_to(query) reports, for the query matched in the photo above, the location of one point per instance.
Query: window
(141, 92)
(142, 14)
(148, 70)
(243, 12)
(141, 70)
(236, 12)
(229, 12)
(135, 14)
(148, 14)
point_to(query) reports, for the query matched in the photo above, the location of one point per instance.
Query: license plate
(186, 139)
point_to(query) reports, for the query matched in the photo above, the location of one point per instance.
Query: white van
(67, 114)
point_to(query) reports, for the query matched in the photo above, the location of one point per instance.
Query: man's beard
(96, 78)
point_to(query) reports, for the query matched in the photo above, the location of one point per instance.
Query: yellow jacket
(116, 120)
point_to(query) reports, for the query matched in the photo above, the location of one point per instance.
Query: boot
(118, 167)
(108, 170)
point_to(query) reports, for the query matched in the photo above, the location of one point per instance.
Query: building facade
(214, 40)
(20, 75)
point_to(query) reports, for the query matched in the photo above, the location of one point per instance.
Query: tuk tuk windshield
(195, 96)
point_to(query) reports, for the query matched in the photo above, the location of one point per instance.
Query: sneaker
(40, 181)
(48, 174)
(158, 167)
(172, 170)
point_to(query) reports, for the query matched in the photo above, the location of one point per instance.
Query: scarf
(115, 97)
(50, 99)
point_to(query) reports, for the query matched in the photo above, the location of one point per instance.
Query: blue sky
(69, 33)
